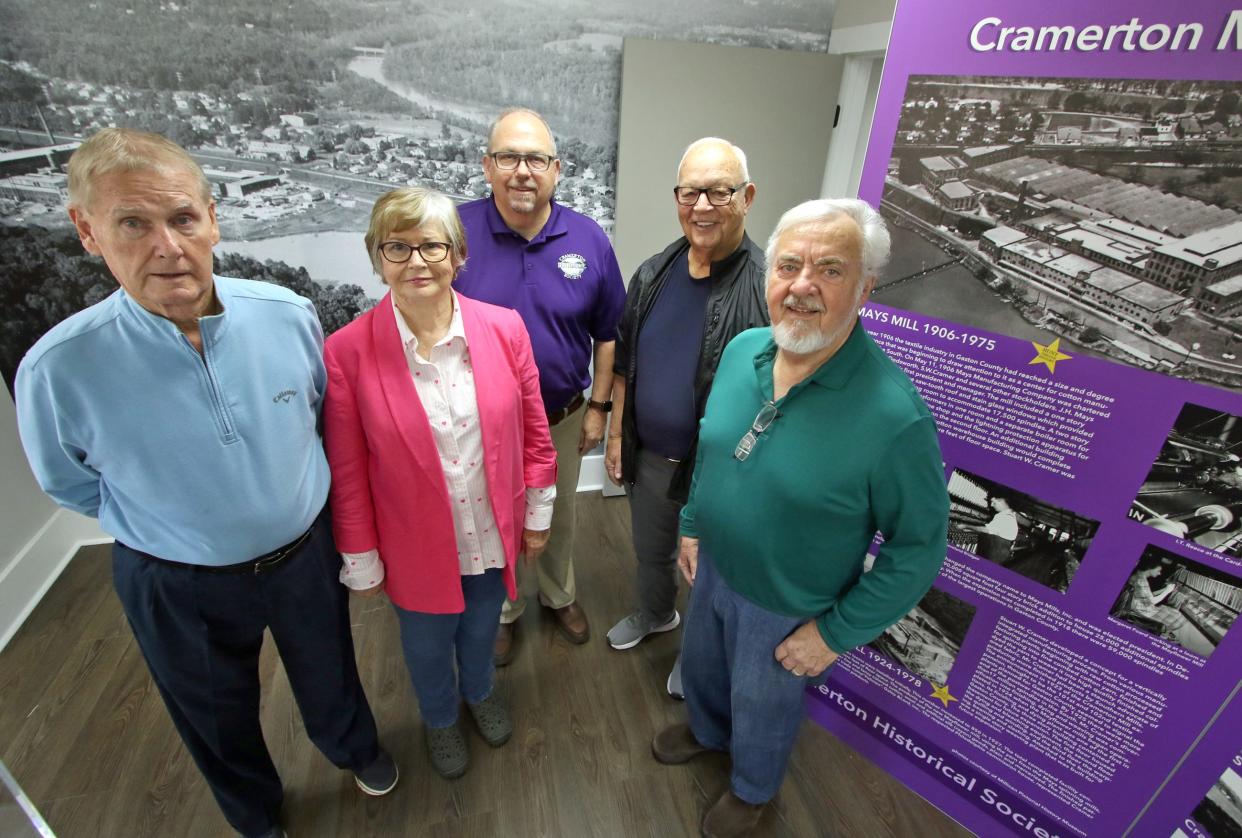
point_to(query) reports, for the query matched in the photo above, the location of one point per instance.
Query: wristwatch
(603, 407)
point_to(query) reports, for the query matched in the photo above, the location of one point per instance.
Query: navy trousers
(201, 633)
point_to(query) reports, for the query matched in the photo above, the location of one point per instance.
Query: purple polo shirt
(565, 283)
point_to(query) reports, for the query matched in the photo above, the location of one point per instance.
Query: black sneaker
(378, 778)
(275, 832)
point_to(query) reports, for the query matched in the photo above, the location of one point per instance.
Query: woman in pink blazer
(442, 466)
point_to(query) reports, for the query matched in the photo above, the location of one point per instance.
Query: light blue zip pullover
(205, 459)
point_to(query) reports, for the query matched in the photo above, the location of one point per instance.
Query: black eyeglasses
(717, 196)
(763, 420)
(399, 252)
(511, 160)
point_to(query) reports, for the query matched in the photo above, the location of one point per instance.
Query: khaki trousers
(554, 569)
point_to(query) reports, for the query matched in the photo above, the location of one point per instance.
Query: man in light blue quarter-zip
(181, 411)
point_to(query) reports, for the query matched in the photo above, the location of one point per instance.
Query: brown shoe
(731, 817)
(572, 621)
(506, 645)
(676, 744)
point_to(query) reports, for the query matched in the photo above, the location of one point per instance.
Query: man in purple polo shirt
(557, 269)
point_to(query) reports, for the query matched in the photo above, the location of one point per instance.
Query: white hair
(738, 154)
(875, 239)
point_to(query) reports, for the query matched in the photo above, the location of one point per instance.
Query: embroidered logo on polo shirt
(284, 396)
(573, 265)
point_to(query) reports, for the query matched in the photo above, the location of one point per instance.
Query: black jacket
(736, 303)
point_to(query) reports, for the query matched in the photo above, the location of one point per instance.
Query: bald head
(716, 151)
(714, 170)
(522, 120)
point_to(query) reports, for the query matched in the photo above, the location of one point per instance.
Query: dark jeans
(431, 642)
(739, 698)
(654, 523)
(201, 634)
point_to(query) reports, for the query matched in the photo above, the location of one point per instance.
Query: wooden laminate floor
(83, 730)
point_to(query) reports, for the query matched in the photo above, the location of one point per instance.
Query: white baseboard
(591, 476)
(593, 479)
(38, 564)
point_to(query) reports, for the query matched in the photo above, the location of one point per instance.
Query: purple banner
(1064, 188)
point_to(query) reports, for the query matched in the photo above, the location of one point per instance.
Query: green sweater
(852, 452)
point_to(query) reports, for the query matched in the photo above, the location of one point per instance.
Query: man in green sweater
(812, 442)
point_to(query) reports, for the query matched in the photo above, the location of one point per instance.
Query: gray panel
(777, 105)
(863, 12)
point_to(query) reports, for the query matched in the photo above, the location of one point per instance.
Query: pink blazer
(388, 490)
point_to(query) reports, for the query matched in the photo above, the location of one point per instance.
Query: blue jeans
(431, 641)
(739, 698)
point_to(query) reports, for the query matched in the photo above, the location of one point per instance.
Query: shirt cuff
(539, 501)
(361, 571)
(821, 623)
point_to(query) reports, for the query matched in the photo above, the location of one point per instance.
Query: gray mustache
(803, 302)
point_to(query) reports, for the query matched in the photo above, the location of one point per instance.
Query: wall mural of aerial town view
(302, 113)
(1106, 212)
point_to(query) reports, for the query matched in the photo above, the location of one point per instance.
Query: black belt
(263, 564)
(558, 416)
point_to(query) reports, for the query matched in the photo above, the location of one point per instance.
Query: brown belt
(558, 416)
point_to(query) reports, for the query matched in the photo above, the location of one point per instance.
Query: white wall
(859, 33)
(37, 538)
(23, 508)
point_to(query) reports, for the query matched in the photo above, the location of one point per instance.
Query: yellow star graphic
(1048, 355)
(942, 694)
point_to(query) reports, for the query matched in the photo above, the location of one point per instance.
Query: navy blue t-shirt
(667, 357)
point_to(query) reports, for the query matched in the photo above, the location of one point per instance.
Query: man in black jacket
(682, 307)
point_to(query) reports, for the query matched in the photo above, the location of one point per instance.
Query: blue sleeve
(58, 464)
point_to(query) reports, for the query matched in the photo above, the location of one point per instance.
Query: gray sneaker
(674, 681)
(630, 632)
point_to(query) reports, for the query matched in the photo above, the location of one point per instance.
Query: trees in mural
(48, 276)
